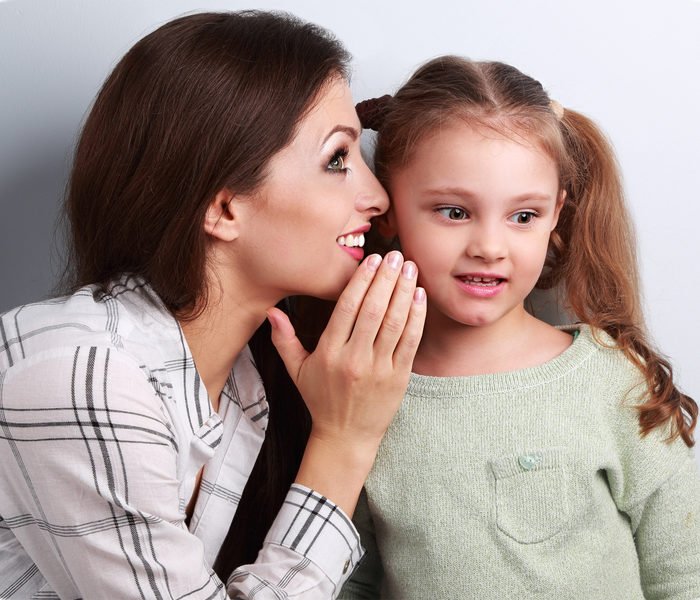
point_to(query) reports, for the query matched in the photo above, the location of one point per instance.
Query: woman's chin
(333, 290)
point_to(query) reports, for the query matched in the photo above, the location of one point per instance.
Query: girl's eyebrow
(465, 193)
(533, 197)
(351, 131)
(450, 191)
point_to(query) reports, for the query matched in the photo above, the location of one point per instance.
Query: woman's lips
(353, 242)
(356, 252)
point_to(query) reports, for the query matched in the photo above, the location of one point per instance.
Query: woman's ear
(220, 220)
(386, 224)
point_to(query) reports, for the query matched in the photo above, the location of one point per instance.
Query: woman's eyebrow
(351, 131)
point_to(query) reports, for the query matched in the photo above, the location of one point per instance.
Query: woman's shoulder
(121, 316)
(64, 376)
(116, 343)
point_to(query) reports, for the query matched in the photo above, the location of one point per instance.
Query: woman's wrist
(337, 468)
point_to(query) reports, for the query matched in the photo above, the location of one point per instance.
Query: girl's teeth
(482, 281)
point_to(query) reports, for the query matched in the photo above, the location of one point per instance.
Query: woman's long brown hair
(592, 252)
(200, 104)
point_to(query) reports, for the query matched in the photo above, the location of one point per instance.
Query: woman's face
(303, 234)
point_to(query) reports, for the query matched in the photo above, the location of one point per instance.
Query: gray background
(633, 66)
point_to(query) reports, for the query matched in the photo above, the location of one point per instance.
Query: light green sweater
(530, 484)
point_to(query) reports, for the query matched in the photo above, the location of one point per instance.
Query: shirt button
(346, 566)
(528, 461)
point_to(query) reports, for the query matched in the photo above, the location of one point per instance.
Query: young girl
(526, 461)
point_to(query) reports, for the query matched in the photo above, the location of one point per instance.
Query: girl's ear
(386, 224)
(221, 220)
(557, 208)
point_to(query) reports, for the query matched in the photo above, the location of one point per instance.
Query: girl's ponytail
(593, 255)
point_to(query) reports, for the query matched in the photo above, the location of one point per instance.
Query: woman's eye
(453, 213)
(337, 162)
(523, 218)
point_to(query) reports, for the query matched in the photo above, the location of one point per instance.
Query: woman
(218, 173)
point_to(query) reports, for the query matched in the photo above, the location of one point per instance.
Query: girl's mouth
(481, 286)
(482, 281)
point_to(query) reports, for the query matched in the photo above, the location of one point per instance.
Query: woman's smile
(354, 242)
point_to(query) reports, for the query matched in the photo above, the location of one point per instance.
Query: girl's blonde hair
(592, 250)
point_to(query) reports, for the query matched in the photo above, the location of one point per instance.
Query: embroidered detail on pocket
(532, 494)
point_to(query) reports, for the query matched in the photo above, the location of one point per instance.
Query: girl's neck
(516, 341)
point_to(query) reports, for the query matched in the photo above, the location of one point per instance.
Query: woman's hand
(354, 381)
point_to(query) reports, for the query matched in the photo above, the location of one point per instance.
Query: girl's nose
(486, 242)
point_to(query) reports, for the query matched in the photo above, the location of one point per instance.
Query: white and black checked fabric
(104, 425)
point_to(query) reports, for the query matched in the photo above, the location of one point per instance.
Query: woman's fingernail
(373, 262)
(419, 295)
(409, 270)
(393, 259)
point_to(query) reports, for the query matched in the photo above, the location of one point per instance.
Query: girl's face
(474, 210)
(304, 231)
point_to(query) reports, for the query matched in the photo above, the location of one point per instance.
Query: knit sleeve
(656, 482)
(365, 582)
(668, 537)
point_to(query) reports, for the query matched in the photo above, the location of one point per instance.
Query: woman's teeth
(352, 241)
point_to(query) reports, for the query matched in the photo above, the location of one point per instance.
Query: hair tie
(372, 112)
(557, 109)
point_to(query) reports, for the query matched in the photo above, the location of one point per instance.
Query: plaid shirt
(104, 426)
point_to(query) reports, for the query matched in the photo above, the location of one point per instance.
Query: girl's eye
(523, 218)
(337, 161)
(453, 213)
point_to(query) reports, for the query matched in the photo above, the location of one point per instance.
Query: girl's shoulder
(598, 344)
(617, 386)
(612, 377)
(609, 374)
(592, 351)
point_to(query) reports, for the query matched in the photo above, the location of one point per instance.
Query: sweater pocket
(532, 494)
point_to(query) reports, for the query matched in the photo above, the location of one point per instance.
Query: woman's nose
(371, 196)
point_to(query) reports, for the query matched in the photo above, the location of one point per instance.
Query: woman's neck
(516, 341)
(218, 334)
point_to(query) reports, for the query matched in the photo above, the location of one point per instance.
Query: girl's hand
(354, 381)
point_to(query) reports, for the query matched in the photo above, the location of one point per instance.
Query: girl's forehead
(477, 162)
(459, 140)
